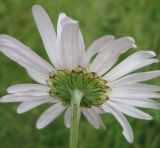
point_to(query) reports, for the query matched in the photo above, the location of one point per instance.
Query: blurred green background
(137, 18)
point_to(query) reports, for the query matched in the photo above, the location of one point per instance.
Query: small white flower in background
(106, 88)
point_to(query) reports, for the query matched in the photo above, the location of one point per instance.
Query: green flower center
(94, 88)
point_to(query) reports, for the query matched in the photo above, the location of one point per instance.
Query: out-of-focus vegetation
(137, 18)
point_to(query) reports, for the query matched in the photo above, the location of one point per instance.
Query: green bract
(94, 88)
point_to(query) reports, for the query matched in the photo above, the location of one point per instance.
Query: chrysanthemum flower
(102, 85)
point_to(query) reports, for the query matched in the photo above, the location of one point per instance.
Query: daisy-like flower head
(102, 85)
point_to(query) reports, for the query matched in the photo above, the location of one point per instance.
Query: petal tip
(129, 138)
(39, 126)
(1, 101)
(152, 53)
(150, 118)
(104, 127)
(134, 46)
(19, 111)
(36, 6)
(62, 14)
(131, 39)
(9, 90)
(68, 126)
(112, 37)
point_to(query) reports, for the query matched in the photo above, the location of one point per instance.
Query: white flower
(107, 88)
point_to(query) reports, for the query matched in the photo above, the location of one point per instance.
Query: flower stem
(75, 117)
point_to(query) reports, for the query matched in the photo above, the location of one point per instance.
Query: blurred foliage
(137, 18)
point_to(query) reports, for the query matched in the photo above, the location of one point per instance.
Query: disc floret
(94, 88)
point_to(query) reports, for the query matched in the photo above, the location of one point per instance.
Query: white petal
(127, 130)
(27, 87)
(130, 64)
(67, 117)
(25, 52)
(31, 89)
(42, 79)
(62, 21)
(99, 110)
(72, 45)
(148, 62)
(145, 103)
(110, 54)
(47, 33)
(32, 93)
(21, 59)
(130, 110)
(25, 62)
(137, 94)
(49, 115)
(16, 98)
(138, 87)
(26, 106)
(93, 117)
(136, 77)
(96, 46)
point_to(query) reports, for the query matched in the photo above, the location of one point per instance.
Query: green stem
(75, 117)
